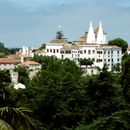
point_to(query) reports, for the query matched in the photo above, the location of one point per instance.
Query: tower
(91, 35)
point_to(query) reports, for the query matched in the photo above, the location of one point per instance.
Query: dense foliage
(5, 51)
(62, 99)
(119, 42)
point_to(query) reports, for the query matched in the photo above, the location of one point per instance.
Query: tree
(22, 75)
(5, 80)
(55, 90)
(116, 68)
(59, 35)
(13, 50)
(15, 119)
(125, 78)
(119, 42)
(85, 62)
(42, 46)
(102, 96)
(116, 121)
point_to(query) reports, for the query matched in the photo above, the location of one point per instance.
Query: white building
(10, 64)
(28, 51)
(93, 45)
(128, 50)
(32, 67)
(54, 47)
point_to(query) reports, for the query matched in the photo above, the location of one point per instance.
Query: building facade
(92, 45)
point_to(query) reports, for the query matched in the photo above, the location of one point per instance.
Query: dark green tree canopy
(86, 62)
(119, 42)
(59, 35)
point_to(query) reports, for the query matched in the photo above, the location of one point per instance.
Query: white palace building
(93, 45)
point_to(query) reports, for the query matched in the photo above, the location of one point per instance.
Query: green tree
(102, 96)
(59, 35)
(116, 121)
(116, 68)
(55, 90)
(4, 82)
(119, 42)
(125, 78)
(85, 62)
(42, 46)
(23, 75)
(15, 119)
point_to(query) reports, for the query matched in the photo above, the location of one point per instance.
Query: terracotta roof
(128, 48)
(31, 63)
(8, 61)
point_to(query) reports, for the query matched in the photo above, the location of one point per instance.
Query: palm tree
(5, 126)
(15, 119)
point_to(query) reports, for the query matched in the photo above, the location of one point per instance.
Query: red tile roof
(8, 61)
(31, 63)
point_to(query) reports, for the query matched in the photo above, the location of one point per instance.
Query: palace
(92, 45)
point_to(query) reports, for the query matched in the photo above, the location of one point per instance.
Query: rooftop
(31, 63)
(9, 61)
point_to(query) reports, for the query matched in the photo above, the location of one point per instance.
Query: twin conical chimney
(96, 37)
(91, 35)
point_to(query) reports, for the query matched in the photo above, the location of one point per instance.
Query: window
(108, 60)
(62, 51)
(108, 52)
(104, 52)
(99, 60)
(53, 50)
(118, 59)
(93, 59)
(47, 50)
(93, 51)
(50, 50)
(89, 51)
(81, 52)
(118, 52)
(111, 60)
(62, 56)
(84, 51)
(57, 50)
(68, 51)
(99, 52)
(111, 52)
(91, 71)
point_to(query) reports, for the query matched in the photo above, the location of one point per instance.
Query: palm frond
(17, 118)
(5, 126)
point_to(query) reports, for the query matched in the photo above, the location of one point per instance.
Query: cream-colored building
(32, 67)
(10, 64)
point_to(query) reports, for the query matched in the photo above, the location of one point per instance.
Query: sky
(33, 22)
